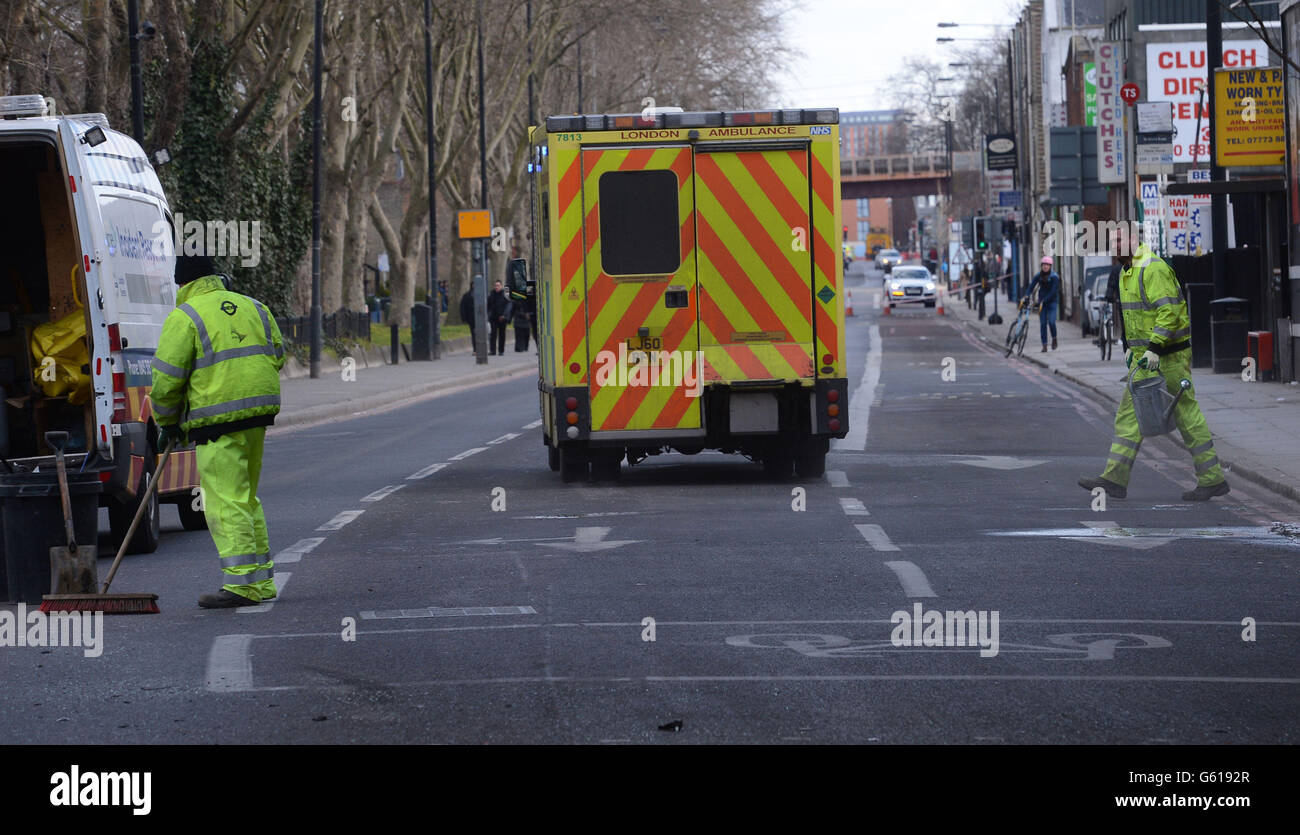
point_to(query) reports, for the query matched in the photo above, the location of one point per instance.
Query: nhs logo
(821, 130)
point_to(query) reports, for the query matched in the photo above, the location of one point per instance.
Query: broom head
(109, 604)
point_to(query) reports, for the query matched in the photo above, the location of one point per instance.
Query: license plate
(912, 291)
(644, 343)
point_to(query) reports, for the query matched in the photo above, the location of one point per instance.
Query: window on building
(638, 223)
(864, 207)
(864, 229)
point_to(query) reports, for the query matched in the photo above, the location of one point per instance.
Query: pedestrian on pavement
(500, 310)
(216, 382)
(467, 314)
(1155, 322)
(523, 326)
(442, 295)
(1048, 284)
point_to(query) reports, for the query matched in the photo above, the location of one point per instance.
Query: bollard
(938, 303)
(394, 343)
(848, 302)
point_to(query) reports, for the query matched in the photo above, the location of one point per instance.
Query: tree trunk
(94, 22)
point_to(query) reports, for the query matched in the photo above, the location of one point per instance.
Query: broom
(115, 604)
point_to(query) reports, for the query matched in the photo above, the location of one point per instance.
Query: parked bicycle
(1019, 331)
(1106, 330)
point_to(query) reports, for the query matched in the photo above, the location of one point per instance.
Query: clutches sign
(1000, 151)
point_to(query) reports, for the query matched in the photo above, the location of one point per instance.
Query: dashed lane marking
(837, 478)
(854, 507)
(295, 551)
(426, 472)
(534, 424)
(444, 612)
(281, 580)
(877, 538)
(506, 437)
(912, 577)
(467, 453)
(382, 493)
(340, 520)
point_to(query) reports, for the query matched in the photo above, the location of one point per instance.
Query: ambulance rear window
(638, 223)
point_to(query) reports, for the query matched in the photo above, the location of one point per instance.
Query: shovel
(72, 567)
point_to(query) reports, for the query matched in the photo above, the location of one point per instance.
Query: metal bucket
(1153, 404)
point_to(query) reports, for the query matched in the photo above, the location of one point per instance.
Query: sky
(849, 48)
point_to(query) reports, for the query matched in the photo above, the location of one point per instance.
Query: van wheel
(777, 463)
(810, 464)
(573, 464)
(120, 514)
(553, 458)
(191, 519)
(607, 466)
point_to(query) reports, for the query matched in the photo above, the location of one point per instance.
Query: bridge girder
(854, 189)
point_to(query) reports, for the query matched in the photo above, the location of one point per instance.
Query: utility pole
(137, 84)
(579, 73)
(1218, 202)
(435, 297)
(317, 188)
(479, 247)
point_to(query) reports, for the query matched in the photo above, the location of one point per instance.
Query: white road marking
(590, 539)
(467, 453)
(340, 520)
(295, 551)
(534, 424)
(853, 507)
(876, 537)
(1144, 538)
(382, 492)
(506, 437)
(1002, 462)
(281, 580)
(912, 577)
(427, 471)
(836, 478)
(230, 670)
(442, 612)
(860, 400)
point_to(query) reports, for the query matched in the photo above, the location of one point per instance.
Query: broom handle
(139, 514)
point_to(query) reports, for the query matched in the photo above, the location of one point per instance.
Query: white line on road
(281, 580)
(230, 670)
(295, 551)
(382, 493)
(427, 471)
(446, 612)
(853, 507)
(340, 520)
(912, 577)
(860, 400)
(467, 453)
(876, 537)
(836, 478)
(534, 424)
(506, 437)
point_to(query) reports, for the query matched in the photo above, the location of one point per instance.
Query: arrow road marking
(591, 539)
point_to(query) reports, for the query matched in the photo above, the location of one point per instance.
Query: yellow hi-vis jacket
(217, 367)
(1153, 305)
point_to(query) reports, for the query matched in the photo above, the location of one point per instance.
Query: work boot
(1115, 491)
(1053, 343)
(225, 599)
(1205, 492)
(1044, 348)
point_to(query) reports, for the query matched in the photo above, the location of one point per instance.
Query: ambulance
(689, 287)
(86, 280)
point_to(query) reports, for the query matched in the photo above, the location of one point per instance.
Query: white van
(85, 229)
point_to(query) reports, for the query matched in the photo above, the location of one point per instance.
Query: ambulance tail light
(624, 121)
(740, 118)
(119, 374)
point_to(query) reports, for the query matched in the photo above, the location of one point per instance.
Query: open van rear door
(89, 233)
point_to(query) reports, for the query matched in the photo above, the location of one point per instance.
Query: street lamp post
(435, 297)
(317, 189)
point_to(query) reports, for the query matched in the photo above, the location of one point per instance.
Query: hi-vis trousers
(1191, 425)
(229, 468)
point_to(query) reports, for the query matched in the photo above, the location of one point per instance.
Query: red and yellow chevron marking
(756, 303)
(181, 473)
(569, 296)
(829, 266)
(618, 307)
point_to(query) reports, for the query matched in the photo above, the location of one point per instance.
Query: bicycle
(1106, 331)
(1019, 331)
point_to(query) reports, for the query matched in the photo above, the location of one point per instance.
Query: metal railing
(929, 164)
(344, 323)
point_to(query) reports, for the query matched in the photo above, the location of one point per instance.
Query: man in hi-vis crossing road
(216, 379)
(1158, 330)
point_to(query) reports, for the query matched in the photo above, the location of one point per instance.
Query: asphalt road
(771, 602)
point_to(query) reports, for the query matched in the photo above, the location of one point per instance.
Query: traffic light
(968, 233)
(981, 239)
(846, 233)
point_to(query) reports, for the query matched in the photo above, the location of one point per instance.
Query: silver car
(887, 259)
(909, 285)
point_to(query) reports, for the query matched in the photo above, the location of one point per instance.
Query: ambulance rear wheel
(553, 458)
(606, 466)
(810, 464)
(574, 464)
(122, 511)
(778, 463)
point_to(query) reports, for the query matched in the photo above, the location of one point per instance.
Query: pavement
(1254, 424)
(341, 393)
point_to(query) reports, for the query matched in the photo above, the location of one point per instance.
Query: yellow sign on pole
(474, 223)
(1249, 118)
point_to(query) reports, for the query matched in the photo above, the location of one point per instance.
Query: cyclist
(1048, 284)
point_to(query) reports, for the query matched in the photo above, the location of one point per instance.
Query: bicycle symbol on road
(1070, 646)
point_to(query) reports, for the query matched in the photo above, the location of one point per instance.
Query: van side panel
(756, 294)
(569, 250)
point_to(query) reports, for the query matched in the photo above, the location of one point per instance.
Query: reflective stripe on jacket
(1153, 305)
(218, 359)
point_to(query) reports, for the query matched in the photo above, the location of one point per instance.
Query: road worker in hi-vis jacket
(216, 382)
(1156, 329)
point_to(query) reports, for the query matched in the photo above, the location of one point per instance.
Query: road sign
(474, 223)
(1009, 199)
(1129, 93)
(1249, 123)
